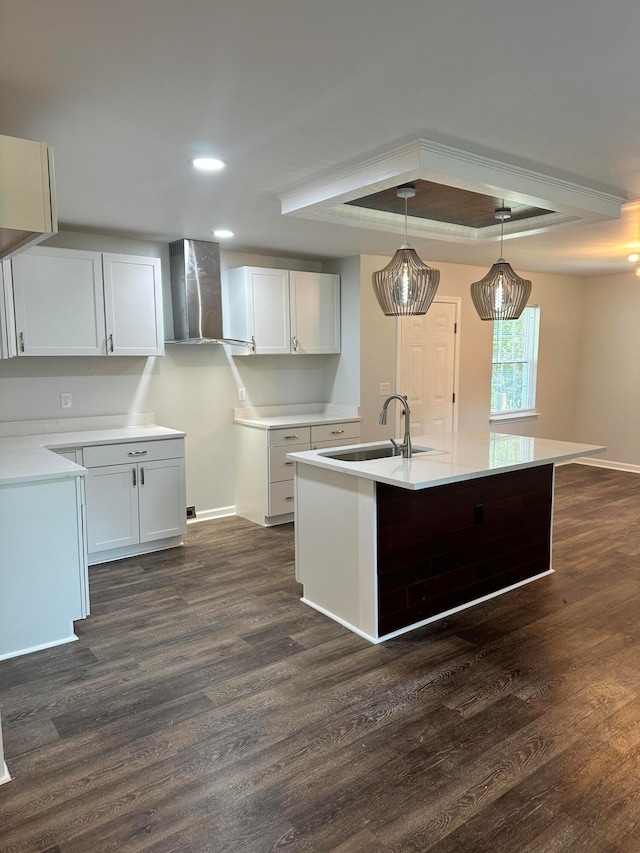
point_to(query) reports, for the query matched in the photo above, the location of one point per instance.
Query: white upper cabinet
(59, 302)
(284, 312)
(27, 189)
(74, 302)
(133, 305)
(7, 320)
(315, 312)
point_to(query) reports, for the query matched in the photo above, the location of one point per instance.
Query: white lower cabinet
(264, 486)
(137, 505)
(43, 570)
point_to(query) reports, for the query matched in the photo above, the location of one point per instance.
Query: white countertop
(452, 457)
(299, 415)
(29, 457)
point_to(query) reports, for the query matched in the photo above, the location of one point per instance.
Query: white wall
(608, 396)
(560, 300)
(192, 388)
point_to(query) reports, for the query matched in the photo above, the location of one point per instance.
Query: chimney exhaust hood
(196, 294)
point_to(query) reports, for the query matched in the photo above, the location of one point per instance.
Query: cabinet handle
(133, 473)
(289, 437)
(337, 431)
(288, 463)
(141, 476)
(288, 499)
(110, 343)
(295, 344)
(253, 344)
(21, 341)
(137, 452)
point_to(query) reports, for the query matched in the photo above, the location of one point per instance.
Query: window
(515, 361)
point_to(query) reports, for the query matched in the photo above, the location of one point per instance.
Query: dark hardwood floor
(206, 709)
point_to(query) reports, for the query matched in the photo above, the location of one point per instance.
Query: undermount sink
(380, 451)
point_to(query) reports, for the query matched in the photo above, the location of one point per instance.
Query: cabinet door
(112, 507)
(59, 302)
(133, 305)
(315, 312)
(162, 499)
(269, 311)
(7, 319)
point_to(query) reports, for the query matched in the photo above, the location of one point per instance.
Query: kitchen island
(386, 545)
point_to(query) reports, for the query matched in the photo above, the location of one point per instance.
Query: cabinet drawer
(318, 445)
(279, 467)
(335, 432)
(281, 497)
(138, 451)
(289, 435)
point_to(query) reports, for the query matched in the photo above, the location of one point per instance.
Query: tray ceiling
(457, 194)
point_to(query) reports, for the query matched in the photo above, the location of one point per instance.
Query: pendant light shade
(406, 286)
(501, 294)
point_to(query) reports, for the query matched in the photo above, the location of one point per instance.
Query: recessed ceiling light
(633, 258)
(208, 164)
(223, 233)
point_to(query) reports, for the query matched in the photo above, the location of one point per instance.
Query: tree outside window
(515, 360)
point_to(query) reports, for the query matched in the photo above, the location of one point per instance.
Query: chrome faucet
(405, 447)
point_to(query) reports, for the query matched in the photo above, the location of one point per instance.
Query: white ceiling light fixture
(208, 164)
(502, 294)
(406, 286)
(223, 233)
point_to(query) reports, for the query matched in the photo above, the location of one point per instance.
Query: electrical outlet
(385, 389)
(191, 512)
(65, 401)
(242, 394)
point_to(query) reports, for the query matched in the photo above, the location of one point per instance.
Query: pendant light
(406, 285)
(501, 294)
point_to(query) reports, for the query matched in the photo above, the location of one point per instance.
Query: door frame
(454, 300)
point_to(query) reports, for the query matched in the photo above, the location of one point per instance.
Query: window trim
(529, 412)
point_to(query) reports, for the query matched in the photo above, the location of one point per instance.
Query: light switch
(385, 389)
(65, 401)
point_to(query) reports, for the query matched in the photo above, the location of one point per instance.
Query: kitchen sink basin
(364, 454)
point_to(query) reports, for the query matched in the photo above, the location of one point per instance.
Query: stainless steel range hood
(196, 294)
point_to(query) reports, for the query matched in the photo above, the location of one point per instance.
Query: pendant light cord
(405, 219)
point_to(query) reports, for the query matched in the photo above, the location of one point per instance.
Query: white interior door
(427, 360)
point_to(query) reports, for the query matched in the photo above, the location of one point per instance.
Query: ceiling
(447, 204)
(290, 91)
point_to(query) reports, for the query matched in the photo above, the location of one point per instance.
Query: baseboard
(606, 463)
(15, 654)
(210, 514)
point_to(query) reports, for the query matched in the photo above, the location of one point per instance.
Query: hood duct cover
(196, 293)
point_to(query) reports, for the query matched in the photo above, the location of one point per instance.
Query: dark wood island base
(443, 547)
